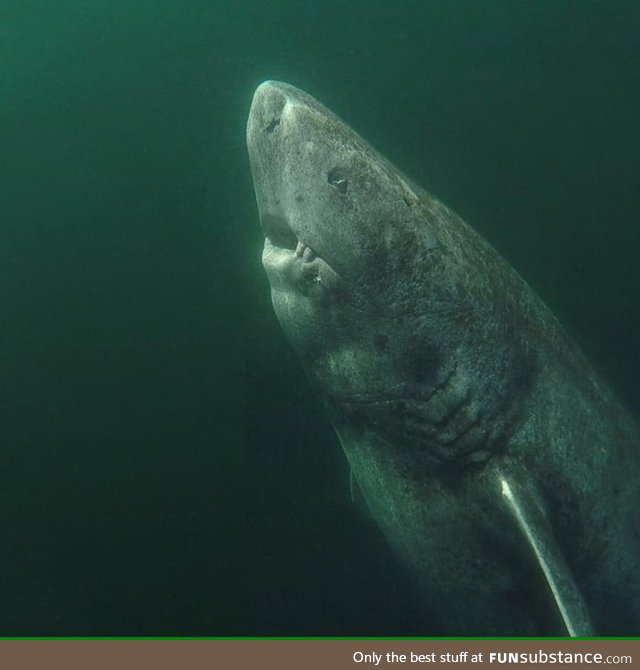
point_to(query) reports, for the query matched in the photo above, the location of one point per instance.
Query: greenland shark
(498, 465)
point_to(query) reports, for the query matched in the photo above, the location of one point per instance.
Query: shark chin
(498, 465)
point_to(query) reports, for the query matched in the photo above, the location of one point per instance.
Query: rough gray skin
(443, 372)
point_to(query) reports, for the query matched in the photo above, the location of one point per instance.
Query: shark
(501, 469)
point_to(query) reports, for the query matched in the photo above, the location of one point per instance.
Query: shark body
(501, 469)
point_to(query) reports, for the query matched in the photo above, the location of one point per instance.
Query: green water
(165, 468)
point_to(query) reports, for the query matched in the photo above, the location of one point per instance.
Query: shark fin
(357, 498)
(533, 524)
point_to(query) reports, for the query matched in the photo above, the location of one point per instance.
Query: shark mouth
(290, 262)
(278, 233)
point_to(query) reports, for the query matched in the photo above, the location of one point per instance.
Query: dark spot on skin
(422, 363)
(338, 179)
(272, 125)
(299, 198)
(407, 202)
(381, 342)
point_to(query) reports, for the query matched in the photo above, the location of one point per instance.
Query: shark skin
(501, 469)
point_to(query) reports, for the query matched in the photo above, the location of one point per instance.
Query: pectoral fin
(532, 522)
(356, 495)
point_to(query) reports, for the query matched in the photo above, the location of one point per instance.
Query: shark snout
(274, 143)
(269, 101)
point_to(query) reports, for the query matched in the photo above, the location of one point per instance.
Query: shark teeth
(306, 253)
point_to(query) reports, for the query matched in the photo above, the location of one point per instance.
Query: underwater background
(165, 467)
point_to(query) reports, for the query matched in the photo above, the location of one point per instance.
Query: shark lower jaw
(300, 255)
(299, 270)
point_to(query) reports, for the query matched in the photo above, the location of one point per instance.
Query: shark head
(375, 283)
(338, 224)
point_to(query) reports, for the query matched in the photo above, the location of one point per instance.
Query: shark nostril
(273, 124)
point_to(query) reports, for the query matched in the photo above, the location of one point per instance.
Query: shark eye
(338, 179)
